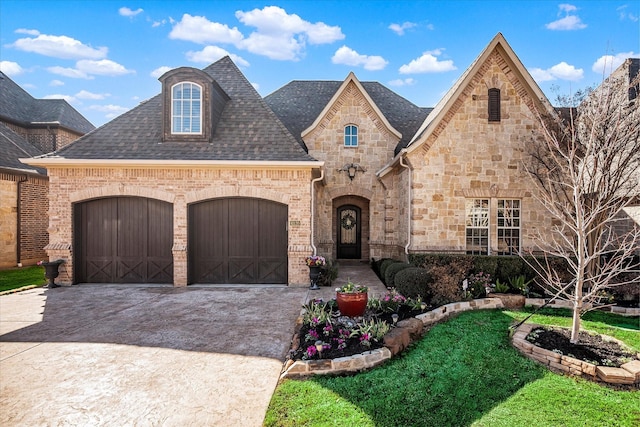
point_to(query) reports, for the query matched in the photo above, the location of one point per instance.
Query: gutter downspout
(24, 178)
(401, 157)
(313, 204)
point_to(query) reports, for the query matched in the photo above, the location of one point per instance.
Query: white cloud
(56, 83)
(70, 99)
(160, 71)
(348, 56)
(278, 35)
(402, 82)
(104, 67)
(428, 63)
(199, 29)
(399, 28)
(27, 31)
(568, 22)
(607, 63)
(11, 68)
(125, 11)
(59, 47)
(560, 71)
(111, 110)
(86, 69)
(624, 14)
(212, 53)
(69, 72)
(83, 94)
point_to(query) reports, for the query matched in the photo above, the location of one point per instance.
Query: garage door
(123, 240)
(238, 241)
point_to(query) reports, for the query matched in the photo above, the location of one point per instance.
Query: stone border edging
(398, 342)
(624, 311)
(627, 374)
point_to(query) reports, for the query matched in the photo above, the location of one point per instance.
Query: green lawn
(464, 372)
(19, 277)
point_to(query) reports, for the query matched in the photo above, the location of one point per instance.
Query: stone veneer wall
(34, 205)
(375, 147)
(469, 157)
(180, 187)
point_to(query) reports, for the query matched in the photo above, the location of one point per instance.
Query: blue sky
(105, 57)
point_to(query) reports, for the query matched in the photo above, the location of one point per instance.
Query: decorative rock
(414, 326)
(633, 368)
(615, 375)
(512, 301)
(397, 340)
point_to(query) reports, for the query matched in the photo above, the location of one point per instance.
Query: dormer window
(351, 136)
(186, 108)
(494, 105)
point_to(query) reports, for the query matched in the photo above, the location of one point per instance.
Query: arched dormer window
(351, 136)
(186, 108)
(494, 105)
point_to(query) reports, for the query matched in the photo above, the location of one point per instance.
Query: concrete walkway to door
(104, 355)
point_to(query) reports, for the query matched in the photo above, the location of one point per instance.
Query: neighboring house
(209, 183)
(29, 127)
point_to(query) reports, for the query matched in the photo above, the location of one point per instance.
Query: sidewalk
(357, 272)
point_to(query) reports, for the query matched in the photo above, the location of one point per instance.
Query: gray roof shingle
(14, 147)
(18, 106)
(247, 130)
(299, 103)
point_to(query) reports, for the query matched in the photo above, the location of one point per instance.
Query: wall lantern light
(351, 169)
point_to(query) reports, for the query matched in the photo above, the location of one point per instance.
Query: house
(29, 127)
(209, 183)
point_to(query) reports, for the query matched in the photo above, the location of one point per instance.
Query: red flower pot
(352, 304)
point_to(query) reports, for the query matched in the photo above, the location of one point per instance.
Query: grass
(464, 372)
(19, 277)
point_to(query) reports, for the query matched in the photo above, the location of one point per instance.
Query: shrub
(508, 267)
(384, 265)
(485, 264)
(412, 282)
(391, 272)
(376, 266)
(329, 273)
(444, 286)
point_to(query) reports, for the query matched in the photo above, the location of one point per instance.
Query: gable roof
(299, 103)
(13, 147)
(17, 106)
(447, 102)
(247, 131)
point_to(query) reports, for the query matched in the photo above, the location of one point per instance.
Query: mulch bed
(589, 348)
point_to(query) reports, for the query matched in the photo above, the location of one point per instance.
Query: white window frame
(478, 218)
(351, 137)
(509, 224)
(189, 103)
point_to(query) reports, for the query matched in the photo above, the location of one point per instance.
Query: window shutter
(494, 105)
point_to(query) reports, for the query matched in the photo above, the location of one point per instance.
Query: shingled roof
(300, 102)
(17, 106)
(248, 130)
(14, 147)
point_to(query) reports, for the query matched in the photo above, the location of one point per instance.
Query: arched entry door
(349, 232)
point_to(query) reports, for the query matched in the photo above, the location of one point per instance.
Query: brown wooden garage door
(238, 241)
(123, 240)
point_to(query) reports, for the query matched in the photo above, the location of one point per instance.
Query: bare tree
(586, 166)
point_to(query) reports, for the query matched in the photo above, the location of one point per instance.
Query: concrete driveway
(95, 355)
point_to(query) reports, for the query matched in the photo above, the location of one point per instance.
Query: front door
(349, 230)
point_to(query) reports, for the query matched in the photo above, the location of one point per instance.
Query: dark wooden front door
(123, 240)
(238, 241)
(349, 232)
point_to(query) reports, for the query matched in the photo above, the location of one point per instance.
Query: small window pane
(351, 136)
(186, 108)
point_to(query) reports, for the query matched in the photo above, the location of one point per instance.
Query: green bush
(485, 264)
(384, 265)
(446, 285)
(412, 282)
(329, 273)
(376, 264)
(391, 272)
(509, 267)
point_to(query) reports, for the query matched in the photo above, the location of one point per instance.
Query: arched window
(186, 108)
(494, 105)
(351, 136)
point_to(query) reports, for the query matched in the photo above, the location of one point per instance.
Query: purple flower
(327, 329)
(311, 351)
